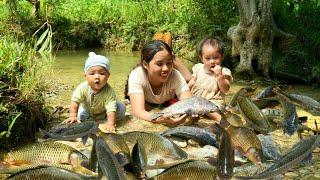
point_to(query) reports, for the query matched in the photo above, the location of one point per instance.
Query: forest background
(30, 27)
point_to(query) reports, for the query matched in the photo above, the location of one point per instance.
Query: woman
(155, 81)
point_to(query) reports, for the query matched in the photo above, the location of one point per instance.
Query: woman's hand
(168, 119)
(107, 127)
(72, 120)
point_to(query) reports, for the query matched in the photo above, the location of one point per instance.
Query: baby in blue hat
(94, 99)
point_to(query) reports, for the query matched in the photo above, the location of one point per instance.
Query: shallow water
(68, 73)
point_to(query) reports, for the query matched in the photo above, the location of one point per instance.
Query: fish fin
(212, 161)
(84, 139)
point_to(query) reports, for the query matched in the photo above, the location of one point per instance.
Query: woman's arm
(138, 107)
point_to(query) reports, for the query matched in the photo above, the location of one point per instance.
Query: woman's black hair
(214, 42)
(147, 53)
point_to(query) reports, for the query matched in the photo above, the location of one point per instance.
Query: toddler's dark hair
(214, 42)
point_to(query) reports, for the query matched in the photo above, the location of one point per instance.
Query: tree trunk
(252, 38)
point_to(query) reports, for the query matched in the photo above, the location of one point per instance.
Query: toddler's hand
(71, 120)
(107, 128)
(217, 70)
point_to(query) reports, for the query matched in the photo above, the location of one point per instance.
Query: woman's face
(159, 68)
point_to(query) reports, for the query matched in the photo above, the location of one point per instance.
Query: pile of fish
(243, 150)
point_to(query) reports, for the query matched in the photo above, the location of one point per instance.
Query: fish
(48, 173)
(45, 153)
(253, 115)
(191, 106)
(306, 102)
(70, 132)
(245, 91)
(234, 119)
(266, 102)
(155, 143)
(202, 135)
(225, 156)
(290, 122)
(192, 170)
(247, 142)
(118, 146)
(107, 162)
(139, 162)
(268, 91)
(270, 148)
(294, 156)
(250, 169)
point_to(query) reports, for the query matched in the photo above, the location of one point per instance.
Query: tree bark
(252, 38)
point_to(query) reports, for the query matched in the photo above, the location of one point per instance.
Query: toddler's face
(211, 57)
(97, 77)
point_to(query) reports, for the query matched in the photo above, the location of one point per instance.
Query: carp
(245, 91)
(247, 142)
(118, 146)
(155, 143)
(290, 123)
(70, 132)
(107, 162)
(188, 170)
(202, 135)
(191, 106)
(294, 156)
(253, 115)
(270, 148)
(45, 153)
(48, 172)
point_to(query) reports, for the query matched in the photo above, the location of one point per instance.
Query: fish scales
(116, 143)
(191, 106)
(108, 163)
(253, 115)
(243, 139)
(48, 173)
(191, 170)
(50, 152)
(293, 157)
(155, 143)
(307, 103)
(202, 135)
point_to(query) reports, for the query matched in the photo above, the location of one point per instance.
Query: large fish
(192, 170)
(45, 153)
(294, 156)
(138, 166)
(268, 91)
(253, 115)
(245, 91)
(290, 122)
(191, 106)
(307, 103)
(247, 142)
(225, 156)
(202, 135)
(70, 132)
(118, 146)
(107, 162)
(270, 148)
(155, 143)
(48, 173)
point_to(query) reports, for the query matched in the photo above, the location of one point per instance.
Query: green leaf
(40, 40)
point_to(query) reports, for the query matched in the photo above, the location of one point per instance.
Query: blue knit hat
(96, 60)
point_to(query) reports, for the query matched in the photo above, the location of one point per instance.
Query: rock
(291, 174)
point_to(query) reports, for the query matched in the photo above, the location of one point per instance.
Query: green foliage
(21, 91)
(302, 19)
